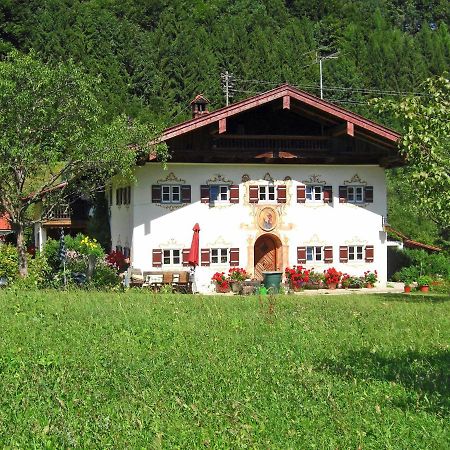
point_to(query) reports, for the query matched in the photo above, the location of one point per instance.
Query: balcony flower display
(332, 277)
(297, 277)
(221, 281)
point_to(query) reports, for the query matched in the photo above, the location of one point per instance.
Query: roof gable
(354, 122)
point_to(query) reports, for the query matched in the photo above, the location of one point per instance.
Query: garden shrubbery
(45, 270)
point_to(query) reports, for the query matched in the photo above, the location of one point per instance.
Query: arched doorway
(267, 254)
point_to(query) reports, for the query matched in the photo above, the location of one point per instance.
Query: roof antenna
(227, 85)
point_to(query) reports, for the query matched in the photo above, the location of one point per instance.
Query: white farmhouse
(280, 179)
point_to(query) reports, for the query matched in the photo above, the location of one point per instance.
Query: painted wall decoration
(267, 219)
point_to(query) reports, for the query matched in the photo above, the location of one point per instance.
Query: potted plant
(407, 284)
(236, 277)
(315, 281)
(221, 282)
(423, 283)
(345, 281)
(370, 278)
(297, 277)
(332, 277)
(355, 282)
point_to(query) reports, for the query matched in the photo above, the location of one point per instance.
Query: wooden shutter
(343, 254)
(234, 193)
(281, 193)
(342, 194)
(327, 194)
(205, 257)
(301, 255)
(186, 252)
(186, 193)
(234, 257)
(157, 257)
(118, 197)
(156, 193)
(301, 193)
(328, 254)
(253, 194)
(204, 193)
(369, 253)
(368, 194)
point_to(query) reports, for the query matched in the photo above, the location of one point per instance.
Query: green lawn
(145, 371)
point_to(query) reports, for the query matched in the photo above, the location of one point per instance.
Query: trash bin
(272, 281)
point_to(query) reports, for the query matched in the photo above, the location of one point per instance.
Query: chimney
(199, 106)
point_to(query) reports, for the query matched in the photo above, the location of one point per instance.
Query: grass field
(140, 371)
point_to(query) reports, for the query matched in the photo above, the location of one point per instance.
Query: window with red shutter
(156, 193)
(342, 194)
(281, 193)
(328, 254)
(234, 257)
(301, 255)
(204, 193)
(368, 194)
(253, 193)
(301, 193)
(327, 194)
(186, 193)
(157, 257)
(369, 253)
(205, 257)
(234, 193)
(186, 252)
(343, 254)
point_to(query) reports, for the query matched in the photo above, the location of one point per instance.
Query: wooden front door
(265, 256)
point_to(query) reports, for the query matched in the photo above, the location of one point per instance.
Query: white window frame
(170, 188)
(356, 252)
(220, 255)
(314, 193)
(315, 252)
(265, 191)
(223, 195)
(172, 257)
(352, 194)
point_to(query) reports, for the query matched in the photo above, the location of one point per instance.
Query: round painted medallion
(267, 219)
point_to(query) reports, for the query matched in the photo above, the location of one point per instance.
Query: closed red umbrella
(193, 252)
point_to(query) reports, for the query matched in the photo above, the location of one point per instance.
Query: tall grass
(138, 370)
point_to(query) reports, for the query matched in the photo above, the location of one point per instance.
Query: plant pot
(236, 287)
(332, 286)
(407, 289)
(424, 288)
(222, 290)
(369, 285)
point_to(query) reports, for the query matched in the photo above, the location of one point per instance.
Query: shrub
(104, 276)
(8, 262)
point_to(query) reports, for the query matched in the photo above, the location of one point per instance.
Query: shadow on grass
(426, 376)
(417, 297)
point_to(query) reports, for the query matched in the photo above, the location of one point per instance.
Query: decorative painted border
(171, 179)
(219, 179)
(356, 179)
(314, 179)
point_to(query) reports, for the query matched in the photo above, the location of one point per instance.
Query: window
(314, 254)
(171, 257)
(219, 193)
(119, 248)
(314, 193)
(266, 193)
(170, 194)
(219, 255)
(355, 252)
(355, 194)
(123, 196)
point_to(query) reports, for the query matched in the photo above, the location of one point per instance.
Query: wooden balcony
(62, 216)
(272, 143)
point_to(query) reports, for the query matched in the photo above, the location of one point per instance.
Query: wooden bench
(179, 280)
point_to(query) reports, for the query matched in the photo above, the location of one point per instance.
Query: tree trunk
(21, 249)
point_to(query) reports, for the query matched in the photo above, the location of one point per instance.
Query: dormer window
(199, 106)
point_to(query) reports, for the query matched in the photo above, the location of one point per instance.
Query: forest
(154, 56)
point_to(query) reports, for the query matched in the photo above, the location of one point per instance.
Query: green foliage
(426, 145)
(424, 280)
(104, 276)
(137, 370)
(8, 262)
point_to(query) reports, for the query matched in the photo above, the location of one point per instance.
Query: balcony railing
(58, 212)
(272, 143)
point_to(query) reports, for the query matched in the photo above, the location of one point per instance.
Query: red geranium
(332, 276)
(117, 259)
(220, 279)
(297, 276)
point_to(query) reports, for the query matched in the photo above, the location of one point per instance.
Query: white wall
(146, 225)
